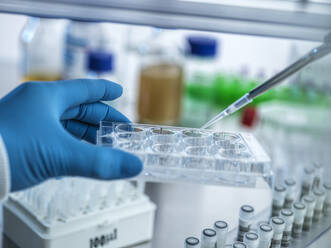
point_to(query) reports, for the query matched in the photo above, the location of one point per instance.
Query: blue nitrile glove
(41, 124)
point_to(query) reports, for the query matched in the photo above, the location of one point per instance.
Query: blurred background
(183, 78)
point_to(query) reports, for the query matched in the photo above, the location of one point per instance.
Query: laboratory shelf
(307, 20)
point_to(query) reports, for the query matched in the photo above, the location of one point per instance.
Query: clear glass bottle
(42, 50)
(200, 72)
(160, 85)
(79, 39)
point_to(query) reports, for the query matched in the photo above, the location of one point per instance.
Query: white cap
(251, 239)
(265, 231)
(309, 174)
(320, 197)
(191, 242)
(246, 212)
(288, 216)
(279, 194)
(208, 237)
(278, 224)
(290, 187)
(299, 209)
(238, 244)
(310, 201)
(221, 227)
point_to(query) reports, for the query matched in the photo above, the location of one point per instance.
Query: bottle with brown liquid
(160, 89)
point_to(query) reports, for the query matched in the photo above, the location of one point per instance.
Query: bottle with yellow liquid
(42, 50)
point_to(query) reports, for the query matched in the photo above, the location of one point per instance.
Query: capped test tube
(246, 214)
(239, 244)
(221, 228)
(310, 202)
(318, 210)
(265, 232)
(208, 238)
(251, 239)
(327, 202)
(307, 181)
(288, 216)
(299, 209)
(290, 184)
(191, 242)
(318, 175)
(278, 225)
(278, 199)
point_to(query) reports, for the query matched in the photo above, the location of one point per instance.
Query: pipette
(310, 57)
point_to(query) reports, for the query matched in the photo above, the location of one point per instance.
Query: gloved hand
(41, 124)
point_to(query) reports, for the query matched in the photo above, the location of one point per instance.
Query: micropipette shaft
(313, 55)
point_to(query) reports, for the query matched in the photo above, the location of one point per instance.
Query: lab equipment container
(42, 43)
(199, 74)
(79, 212)
(177, 154)
(160, 85)
(79, 38)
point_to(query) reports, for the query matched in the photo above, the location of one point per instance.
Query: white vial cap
(290, 184)
(320, 196)
(191, 242)
(288, 216)
(278, 224)
(265, 231)
(208, 237)
(299, 211)
(238, 244)
(246, 212)
(310, 201)
(251, 239)
(308, 175)
(221, 227)
(279, 193)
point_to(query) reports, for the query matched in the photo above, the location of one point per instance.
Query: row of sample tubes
(294, 210)
(248, 237)
(66, 198)
(300, 206)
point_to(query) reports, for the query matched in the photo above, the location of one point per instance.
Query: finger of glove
(105, 163)
(78, 91)
(81, 130)
(93, 113)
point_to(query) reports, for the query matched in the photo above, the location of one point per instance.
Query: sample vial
(299, 209)
(327, 202)
(318, 175)
(318, 209)
(239, 244)
(251, 239)
(278, 199)
(290, 184)
(307, 181)
(191, 242)
(310, 201)
(208, 238)
(278, 225)
(221, 228)
(246, 214)
(265, 232)
(288, 217)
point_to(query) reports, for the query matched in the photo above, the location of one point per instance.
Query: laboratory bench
(185, 209)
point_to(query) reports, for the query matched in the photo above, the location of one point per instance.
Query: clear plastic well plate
(180, 154)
